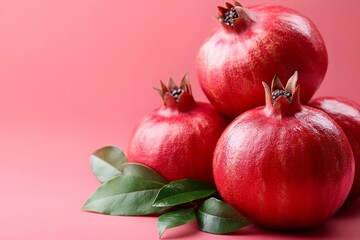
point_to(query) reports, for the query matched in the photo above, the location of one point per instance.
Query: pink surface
(77, 75)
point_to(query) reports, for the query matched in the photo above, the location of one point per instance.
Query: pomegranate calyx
(278, 90)
(283, 100)
(179, 97)
(234, 16)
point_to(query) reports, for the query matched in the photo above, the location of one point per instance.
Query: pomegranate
(252, 45)
(347, 114)
(177, 140)
(284, 165)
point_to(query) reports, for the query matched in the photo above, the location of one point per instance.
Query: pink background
(77, 75)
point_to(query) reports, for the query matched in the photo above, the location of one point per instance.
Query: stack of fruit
(282, 161)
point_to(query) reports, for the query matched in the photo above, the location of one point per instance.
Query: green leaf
(125, 195)
(140, 170)
(174, 219)
(106, 163)
(182, 191)
(216, 216)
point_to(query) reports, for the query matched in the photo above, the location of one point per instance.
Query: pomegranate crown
(175, 96)
(280, 99)
(234, 16)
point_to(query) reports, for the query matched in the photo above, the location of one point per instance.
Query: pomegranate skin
(284, 166)
(265, 40)
(346, 113)
(177, 140)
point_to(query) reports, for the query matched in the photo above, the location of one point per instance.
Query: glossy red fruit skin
(346, 113)
(178, 142)
(284, 166)
(233, 62)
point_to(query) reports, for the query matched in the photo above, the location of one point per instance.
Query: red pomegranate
(285, 165)
(177, 140)
(346, 113)
(252, 45)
